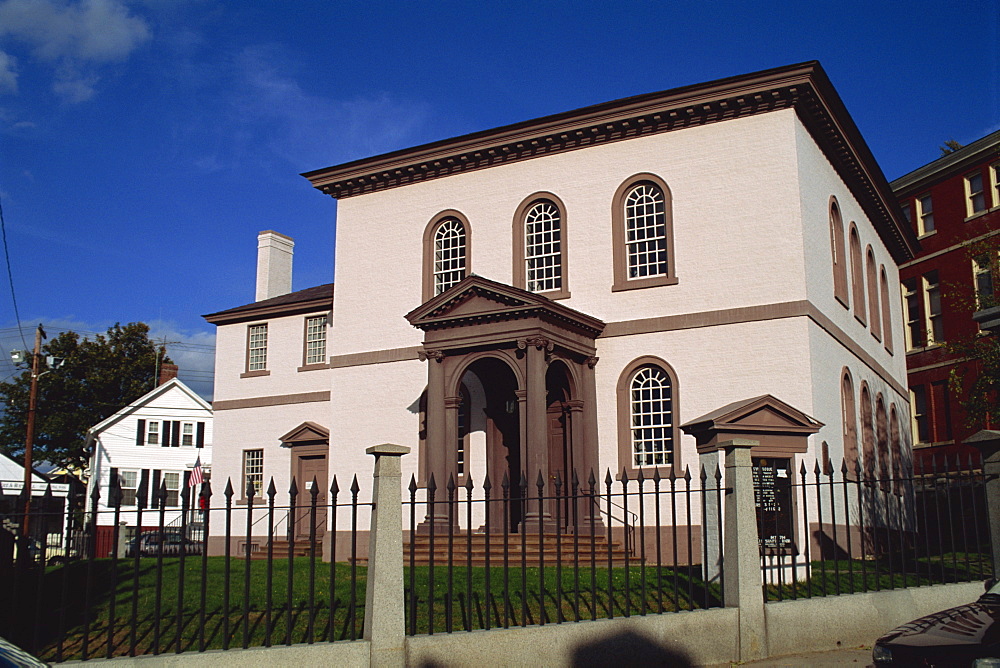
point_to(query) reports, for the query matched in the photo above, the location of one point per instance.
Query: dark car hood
(973, 624)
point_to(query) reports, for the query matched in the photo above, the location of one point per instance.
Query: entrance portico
(534, 359)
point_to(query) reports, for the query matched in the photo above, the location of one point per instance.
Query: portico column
(436, 431)
(588, 444)
(537, 450)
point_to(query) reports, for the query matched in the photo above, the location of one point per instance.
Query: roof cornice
(981, 150)
(804, 87)
(270, 311)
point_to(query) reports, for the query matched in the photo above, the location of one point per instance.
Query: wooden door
(309, 467)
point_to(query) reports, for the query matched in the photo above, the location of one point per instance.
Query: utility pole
(30, 438)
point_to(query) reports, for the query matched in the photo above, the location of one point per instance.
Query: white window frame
(916, 417)
(171, 480)
(971, 195)
(187, 433)
(645, 214)
(152, 432)
(316, 327)
(450, 259)
(925, 215)
(543, 247)
(651, 417)
(932, 317)
(912, 320)
(253, 471)
(128, 479)
(982, 266)
(995, 183)
(257, 347)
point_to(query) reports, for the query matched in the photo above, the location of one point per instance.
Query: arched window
(857, 276)
(850, 422)
(867, 432)
(895, 447)
(647, 413)
(540, 246)
(642, 234)
(882, 434)
(873, 299)
(886, 311)
(837, 251)
(447, 244)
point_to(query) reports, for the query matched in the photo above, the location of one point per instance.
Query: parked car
(967, 635)
(150, 544)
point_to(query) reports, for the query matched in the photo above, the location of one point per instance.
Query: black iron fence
(868, 530)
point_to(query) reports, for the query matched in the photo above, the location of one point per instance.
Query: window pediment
(306, 433)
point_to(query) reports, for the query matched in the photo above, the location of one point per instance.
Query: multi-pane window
(982, 276)
(543, 247)
(914, 324)
(316, 340)
(925, 215)
(839, 259)
(187, 433)
(129, 481)
(449, 254)
(253, 470)
(172, 482)
(995, 182)
(933, 322)
(257, 347)
(651, 404)
(153, 432)
(975, 197)
(645, 232)
(918, 414)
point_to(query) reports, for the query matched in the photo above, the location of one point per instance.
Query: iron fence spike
(271, 489)
(412, 486)
(229, 489)
(355, 487)
(314, 490)
(334, 486)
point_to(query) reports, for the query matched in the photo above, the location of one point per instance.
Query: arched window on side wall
(540, 246)
(447, 249)
(895, 447)
(882, 436)
(838, 253)
(871, 277)
(647, 415)
(857, 277)
(850, 422)
(642, 234)
(867, 432)
(886, 311)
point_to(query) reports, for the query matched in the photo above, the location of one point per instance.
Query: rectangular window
(257, 347)
(911, 315)
(187, 435)
(940, 410)
(918, 414)
(925, 215)
(316, 340)
(172, 481)
(933, 322)
(907, 213)
(129, 481)
(153, 432)
(975, 197)
(982, 279)
(253, 471)
(995, 182)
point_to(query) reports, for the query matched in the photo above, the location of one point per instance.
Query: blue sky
(144, 144)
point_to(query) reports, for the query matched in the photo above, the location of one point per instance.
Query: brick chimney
(274, 264)
(167, 371)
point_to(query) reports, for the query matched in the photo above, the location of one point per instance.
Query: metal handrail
(630, 526)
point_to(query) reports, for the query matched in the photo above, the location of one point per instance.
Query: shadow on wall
(627, 649)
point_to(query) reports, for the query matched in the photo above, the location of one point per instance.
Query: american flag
(196, 477)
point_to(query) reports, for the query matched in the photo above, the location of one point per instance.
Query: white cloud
(75, 38)
(8, 73)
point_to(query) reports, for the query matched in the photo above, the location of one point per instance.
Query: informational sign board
(772, 493)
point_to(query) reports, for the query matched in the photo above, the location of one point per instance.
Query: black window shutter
(111, 480)
(140, 432)
(165, 436)
(176, 426)
(187, 480)
(144, 486)
(156, 486)
(201, 435)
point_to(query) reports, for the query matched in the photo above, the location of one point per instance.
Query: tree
(100, 376)
(950, 147)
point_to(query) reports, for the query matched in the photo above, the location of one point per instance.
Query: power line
(10, 275)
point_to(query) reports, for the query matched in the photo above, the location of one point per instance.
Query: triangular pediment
(477, 299)
(765, 413)
(307, 432)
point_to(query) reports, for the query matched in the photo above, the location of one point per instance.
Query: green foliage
(949, 147)
(100, 376)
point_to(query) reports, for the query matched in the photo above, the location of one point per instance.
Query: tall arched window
(540, 246)
(642, 234)
(447, 246)
(871, 277)
(886, 311)
(895, 447)
(837, 251)
(882, 434)
(647, 412)
(850, 422)
(867, 432)
(857, 276)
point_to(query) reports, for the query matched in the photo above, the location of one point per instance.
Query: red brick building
(953, 205)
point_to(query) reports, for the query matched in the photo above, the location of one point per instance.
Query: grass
(61, 619)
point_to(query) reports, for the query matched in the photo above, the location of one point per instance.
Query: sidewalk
(839, 657)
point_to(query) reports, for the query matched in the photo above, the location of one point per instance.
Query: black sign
(772, 494)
